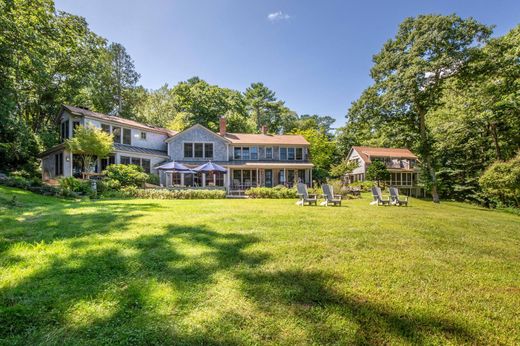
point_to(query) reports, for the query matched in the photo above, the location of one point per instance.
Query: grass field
(255, 272)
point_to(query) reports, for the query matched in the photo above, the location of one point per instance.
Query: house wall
(153, 140)
(362, 165)
(200, 135)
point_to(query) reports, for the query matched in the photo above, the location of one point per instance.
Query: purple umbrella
(174, 166)
(210, 167)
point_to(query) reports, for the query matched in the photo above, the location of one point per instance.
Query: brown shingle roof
(367, 152)
(251, 138)
(116, 119)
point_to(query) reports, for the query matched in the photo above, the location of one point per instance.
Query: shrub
(75, 185)
(132, 191)
(501, 182)
(275, 192)
(153, 179)
(126, 175)
(33, 184)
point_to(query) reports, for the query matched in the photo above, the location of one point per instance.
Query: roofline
(51, 150)
(134, 153)
(140, 125)
(169, 139)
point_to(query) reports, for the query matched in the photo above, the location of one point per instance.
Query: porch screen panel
(146, 165)
(116, 131)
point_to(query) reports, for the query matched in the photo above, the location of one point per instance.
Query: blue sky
(316, 55)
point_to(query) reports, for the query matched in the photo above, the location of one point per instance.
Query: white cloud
(277, 16)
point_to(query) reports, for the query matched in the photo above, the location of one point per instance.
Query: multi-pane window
(245, 153)
(269, 153)
(208, 150)
(237, 153)
(299, 153)
(145, 163)
(127, 136)
(116, 131)
(188, 150)
(125, 160)
(290, 153)
(58, 164)
(199, 150)
(64, 130)
(254, 153)
(143, 135)
(136, 161)
(283, 153)
(105, 128)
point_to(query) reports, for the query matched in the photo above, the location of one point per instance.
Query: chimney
(222, 129)
(264, 129)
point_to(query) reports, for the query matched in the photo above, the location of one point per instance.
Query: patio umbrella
(210, 167)
(174, 167)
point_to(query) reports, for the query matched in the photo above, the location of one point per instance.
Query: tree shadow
(309, 296)
(125, 277)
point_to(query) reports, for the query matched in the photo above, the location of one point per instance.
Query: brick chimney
(222, 129)
(264, 129)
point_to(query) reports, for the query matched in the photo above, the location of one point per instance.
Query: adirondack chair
(378, 197)
(394, 196)
(305, 197)
(330, 197)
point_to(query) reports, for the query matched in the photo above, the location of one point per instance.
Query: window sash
(269, 153)
(143, 135)
(145, 163)
(188, 150)
(127, 136)
(237, 153)
(198, 150)
(299, 154)
(105, 128)
(283, 153)
(245, 153)
(290, 153)
(208, 150)
(124, 160)
(254, 153)
(116, 131)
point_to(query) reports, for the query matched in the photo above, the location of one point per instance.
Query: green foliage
(275, 192)
(126, 175)
(132, 191)
(153, 179)
(72, 184)
(90, 142)
(410, 74)
(501, 182)
(322, 151)
(339, 170)
(377, 171)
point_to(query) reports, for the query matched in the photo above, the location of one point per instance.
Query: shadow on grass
(144, 290)
(309, 297)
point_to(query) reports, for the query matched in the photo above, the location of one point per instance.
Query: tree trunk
(427, 156)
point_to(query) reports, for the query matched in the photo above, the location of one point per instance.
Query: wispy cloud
(277, 16)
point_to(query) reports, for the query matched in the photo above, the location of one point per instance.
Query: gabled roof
(197, 126)
(367, 153)
(252, 138)
(115, 119)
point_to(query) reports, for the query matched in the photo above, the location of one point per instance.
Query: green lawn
(255, 272)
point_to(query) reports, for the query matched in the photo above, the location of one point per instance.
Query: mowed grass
(235, 272)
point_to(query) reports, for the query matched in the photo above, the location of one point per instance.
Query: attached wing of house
(400, 162)
(250, 159)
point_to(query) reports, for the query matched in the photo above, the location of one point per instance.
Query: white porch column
(228, 178)
(203, 179)
(214, 179)
(182, 178)
(284, 176)
(310, 173)
(257, 178)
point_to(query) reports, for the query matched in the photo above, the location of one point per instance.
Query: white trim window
(291, 153)
(268, 153)
(198, 150)
(245, 153)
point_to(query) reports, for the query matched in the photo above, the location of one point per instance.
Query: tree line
(441, 87)
(49, 58)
